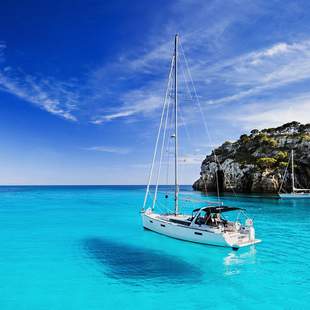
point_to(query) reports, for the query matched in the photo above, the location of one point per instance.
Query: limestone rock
(256, 163)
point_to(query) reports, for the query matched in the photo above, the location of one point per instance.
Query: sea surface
(84, 248)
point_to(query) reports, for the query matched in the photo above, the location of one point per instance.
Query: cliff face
(256, 163)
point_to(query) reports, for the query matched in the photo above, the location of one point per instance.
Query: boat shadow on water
(131, 263)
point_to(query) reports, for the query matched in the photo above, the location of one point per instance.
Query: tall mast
(176, 190)
(293, 176)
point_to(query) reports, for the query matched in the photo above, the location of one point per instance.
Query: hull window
(198, 233)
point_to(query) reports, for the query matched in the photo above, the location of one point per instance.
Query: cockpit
(211, 216)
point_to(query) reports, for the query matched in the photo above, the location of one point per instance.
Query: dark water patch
(128, 262)
(92, 202)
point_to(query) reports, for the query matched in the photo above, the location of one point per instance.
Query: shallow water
(84, 248)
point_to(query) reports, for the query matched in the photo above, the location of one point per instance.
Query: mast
(293, 176)
(176, 190)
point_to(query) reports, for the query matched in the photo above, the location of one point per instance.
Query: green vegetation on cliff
(260, 158)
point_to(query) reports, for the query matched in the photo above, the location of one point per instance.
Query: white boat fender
(237, 226)
(251, 233)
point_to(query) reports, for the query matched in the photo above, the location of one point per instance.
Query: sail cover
(218, 209)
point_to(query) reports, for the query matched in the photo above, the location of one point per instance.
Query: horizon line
(2, 185)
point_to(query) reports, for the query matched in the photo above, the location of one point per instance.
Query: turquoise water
(84, 248)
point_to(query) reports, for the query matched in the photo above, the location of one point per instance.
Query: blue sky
(82, 82)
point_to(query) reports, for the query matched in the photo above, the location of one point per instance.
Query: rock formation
(256, 162)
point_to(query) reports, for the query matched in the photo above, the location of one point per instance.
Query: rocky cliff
(256, 162)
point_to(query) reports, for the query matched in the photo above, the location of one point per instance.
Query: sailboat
(206, 224)
(296, 192)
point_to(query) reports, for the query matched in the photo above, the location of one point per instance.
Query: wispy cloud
(133, 84)
(108, 149)
(133, 102)
(49, 94)
(275, 50)
(273, 112)
(2, 48)
(146, 70)
(271, 68)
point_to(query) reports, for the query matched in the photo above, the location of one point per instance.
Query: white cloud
(147, 62)
(139, 66)
(134, 102)
(50, 95)
(133, 85)
(54, 96)
(258, 71)
(2, 48)
(273, 112)
(108, 149)
(276, 49)
(245, 76)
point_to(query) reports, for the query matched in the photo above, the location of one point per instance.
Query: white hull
(295, 196)
(210, 236)
(206, 226)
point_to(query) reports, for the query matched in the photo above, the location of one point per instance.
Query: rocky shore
(256, 162)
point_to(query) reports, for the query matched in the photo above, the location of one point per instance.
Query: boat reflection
(234, 260)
